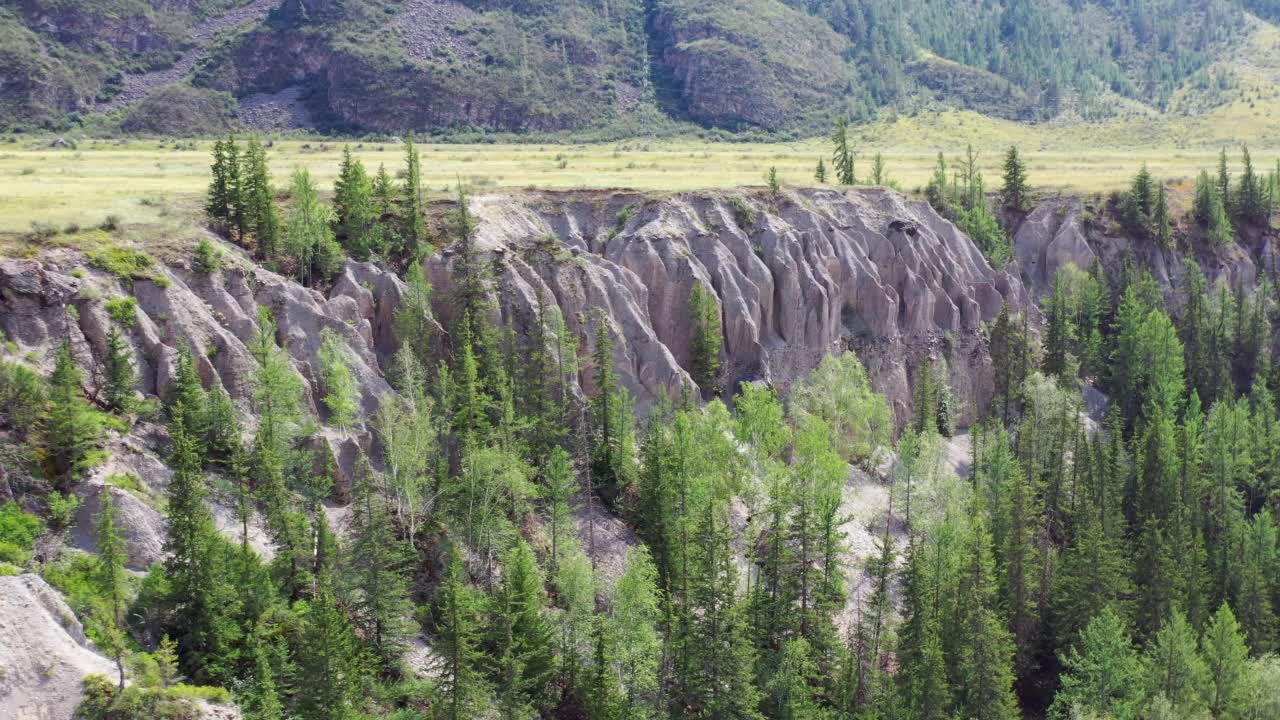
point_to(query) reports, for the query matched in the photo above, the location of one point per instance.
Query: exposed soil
(136, 87)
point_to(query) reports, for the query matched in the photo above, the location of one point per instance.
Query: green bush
(123, 310)
(22, 395)
(127, 264)
(103, 700)
(18, 532)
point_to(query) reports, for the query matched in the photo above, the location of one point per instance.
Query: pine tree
(1014, 196)
(561, 486)
(68, 431)
(1174, 667)
(235, 189)
(329, 664)
(1161, 224)
(525, 654)
(820, 174)
(112, 555)
(197, 592)
(415, 322)
(120, 376)
(879, 171)
(217, 205)
(600, 693)
(356, 211)
(986, 649)
(1103, 674)
(842, 158)
(461, 683)
(341, 393)
(704, 342)
(308, 236)
(1250, 204)
(413, 228)
(1224, 181)
(634, 628)
(376, 561)
(1140, 202)
(1226, 658)
(263, 218)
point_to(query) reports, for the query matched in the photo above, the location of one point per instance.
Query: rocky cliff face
(1062, 232)
(798, 276)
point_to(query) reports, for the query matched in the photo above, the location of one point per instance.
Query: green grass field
(147, 181)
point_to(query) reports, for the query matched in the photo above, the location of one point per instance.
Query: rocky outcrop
(43, 651)
(1068, 231)
(808, 273)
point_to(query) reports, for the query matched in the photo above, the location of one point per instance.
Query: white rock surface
(44, 653)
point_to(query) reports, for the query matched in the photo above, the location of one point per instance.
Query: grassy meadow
(158, 182)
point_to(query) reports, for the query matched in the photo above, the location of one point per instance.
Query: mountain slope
(623, 67)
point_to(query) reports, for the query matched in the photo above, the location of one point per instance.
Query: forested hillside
(614, 66)
(375, 458)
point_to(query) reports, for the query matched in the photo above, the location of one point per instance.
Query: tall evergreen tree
(329, 663)
(704, 341)
(112, 555)
(68, 431)
(413, 224)
(121, 379)
(457, 611)
(376, 560)
(1103, 672)
(1015, 195)
(842, 156)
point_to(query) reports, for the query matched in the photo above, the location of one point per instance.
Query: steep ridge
(798, 276)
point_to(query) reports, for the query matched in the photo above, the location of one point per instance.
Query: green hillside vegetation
(627, 67)
(1127, 568)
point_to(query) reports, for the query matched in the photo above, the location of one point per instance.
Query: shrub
(123, 310)
(22, 395)
(111, 223)
(207, 259)
(18, 532)
(127, 264)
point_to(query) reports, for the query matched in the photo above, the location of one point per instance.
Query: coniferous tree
(1015, 194)
(112, 556)
(820, 174)
(376, 560)
(236, 196)
(263, 218)
(341, 394)
(1161, 224)
(879, 171)
(413, 227)
(356, 210)
(704, 342)
(329, 663)
(68, 431)
(1226, 659)
(523, 642)
(120, 377)
(561, 486)
(1140, 202)
(1175, 669)
(1250, 204)
(1103, 673)
(415, 322)
(1209, 210)
(1224, 180)
(197, 591)
(308, 236)
(217, 205)
(842, 157)
(457, 610)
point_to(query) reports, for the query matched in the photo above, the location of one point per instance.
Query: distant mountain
(609, 66)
